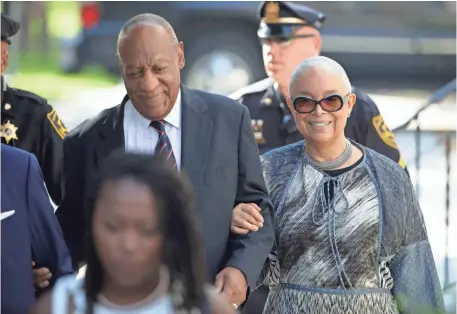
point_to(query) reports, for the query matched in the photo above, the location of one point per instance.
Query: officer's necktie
(163, 147)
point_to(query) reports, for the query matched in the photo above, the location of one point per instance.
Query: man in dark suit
(30, 231)
(207, 136)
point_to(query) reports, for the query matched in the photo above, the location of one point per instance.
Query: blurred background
(402, 53)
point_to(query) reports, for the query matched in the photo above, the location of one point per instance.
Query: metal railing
(447, 137)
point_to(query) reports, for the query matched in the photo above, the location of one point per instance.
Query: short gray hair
(321, 62)
(146, 19)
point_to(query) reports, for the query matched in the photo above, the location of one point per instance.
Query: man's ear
(317, 42)
(181, 59)
(4, 56)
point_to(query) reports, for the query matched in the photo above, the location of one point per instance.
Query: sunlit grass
(44, 78)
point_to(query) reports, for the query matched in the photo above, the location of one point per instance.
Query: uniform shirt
(274, 127)
(140, 137)
(28, 122)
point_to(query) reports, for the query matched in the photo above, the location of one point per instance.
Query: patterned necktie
(163, 147)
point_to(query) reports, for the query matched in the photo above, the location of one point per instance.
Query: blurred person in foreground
(29, 231)
(207, 136)
(290, 33)
(144, 250)
(29, 122)
(346, 239)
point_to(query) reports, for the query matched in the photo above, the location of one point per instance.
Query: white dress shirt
(140, 137)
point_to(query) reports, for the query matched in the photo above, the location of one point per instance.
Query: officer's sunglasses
(332, 103)
(284, 41)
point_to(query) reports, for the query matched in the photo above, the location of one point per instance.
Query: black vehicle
(387, 40)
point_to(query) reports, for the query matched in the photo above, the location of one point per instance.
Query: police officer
(29, 123)
(289, 33)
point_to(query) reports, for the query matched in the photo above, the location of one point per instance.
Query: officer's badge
(384, 132)
(271, 12)
(257, 127)
(57, 124)
(8, 131)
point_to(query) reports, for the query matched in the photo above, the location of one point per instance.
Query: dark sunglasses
(283, 40)
(332, 103)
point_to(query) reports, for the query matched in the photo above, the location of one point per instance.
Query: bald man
(205, 135)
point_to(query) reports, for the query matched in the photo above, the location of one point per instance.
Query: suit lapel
(111, 133)
(195, 139)
(196, 136)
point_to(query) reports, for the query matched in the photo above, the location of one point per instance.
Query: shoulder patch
(384, 132)
(30, 95)
(254, 88)
(402, 162)
(57, 124)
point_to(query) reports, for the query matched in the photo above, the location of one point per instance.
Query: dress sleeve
(416, 288)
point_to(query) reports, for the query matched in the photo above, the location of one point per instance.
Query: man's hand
(41, 277)
(231, 282)
(245, 218)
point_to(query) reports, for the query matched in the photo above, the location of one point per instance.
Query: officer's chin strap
(3, 85)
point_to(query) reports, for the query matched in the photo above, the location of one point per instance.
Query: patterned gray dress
(332, 254)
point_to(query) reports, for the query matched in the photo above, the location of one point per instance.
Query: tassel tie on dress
(329, 188)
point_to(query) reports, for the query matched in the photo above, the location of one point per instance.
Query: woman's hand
(245, 218)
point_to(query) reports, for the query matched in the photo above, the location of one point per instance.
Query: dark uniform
(28, 122)
(272, 121)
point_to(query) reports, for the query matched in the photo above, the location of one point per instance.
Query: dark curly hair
(183, 252)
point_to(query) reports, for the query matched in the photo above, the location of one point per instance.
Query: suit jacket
(221, 159)
(31, 233)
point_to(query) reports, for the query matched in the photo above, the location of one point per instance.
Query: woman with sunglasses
(144, 250)
(350, 236)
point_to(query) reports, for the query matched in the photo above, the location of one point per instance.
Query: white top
(69, 286)
(140, 137)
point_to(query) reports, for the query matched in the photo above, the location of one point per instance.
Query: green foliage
(43, 77)
(63, 18)
(40, 73)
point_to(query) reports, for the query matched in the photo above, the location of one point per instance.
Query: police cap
(280, 18)
(9, 28)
